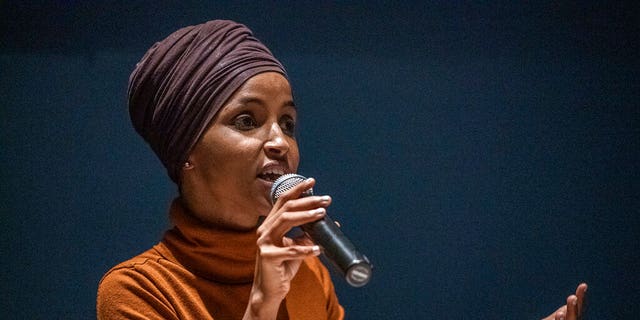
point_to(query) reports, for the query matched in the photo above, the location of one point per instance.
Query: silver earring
(187, 165)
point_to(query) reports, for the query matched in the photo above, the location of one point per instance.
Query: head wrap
(184, 80)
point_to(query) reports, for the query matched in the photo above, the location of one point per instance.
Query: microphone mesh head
(285, 183)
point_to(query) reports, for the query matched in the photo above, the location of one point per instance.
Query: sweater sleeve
(125, 293)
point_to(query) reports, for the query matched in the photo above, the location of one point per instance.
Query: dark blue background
(483, 155)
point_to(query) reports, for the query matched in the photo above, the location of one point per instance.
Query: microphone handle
(353, 265)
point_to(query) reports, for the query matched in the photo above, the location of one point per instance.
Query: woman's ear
(187, 165)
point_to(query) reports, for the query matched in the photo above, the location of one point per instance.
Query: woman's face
(249, 144)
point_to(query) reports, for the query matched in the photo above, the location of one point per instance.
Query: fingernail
(316, 249)
(325, 198)
(316, 211)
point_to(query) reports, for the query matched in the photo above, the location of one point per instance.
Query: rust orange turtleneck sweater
(197, 272)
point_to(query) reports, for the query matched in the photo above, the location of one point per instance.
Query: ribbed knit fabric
(197, 272)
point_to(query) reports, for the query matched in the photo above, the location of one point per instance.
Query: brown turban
(182, 82)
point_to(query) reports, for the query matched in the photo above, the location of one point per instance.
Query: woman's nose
(276, 144)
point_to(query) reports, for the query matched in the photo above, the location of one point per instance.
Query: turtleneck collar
(220, 255)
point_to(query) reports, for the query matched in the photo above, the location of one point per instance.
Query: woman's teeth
(270, 176)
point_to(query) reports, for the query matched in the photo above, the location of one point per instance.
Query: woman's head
(216, 108)
(251, 141)
(184, 80)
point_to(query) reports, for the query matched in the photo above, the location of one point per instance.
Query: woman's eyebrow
(247, 100)
(250, 99)
(291, 104)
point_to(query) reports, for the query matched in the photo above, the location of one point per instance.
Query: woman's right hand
(279, 257)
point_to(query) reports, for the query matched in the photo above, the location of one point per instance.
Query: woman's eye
(245, 122)
(288, 126)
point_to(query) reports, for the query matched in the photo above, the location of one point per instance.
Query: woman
(216, 107)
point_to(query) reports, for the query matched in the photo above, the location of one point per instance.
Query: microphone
(352, 264)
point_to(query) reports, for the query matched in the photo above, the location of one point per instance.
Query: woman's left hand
(574, 309)
(279, 257)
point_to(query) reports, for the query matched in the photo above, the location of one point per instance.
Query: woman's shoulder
(312, 292)
(313, 270)
(136, 263)
(134, 286)
(142, 270)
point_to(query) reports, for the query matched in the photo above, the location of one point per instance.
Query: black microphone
(353, 265)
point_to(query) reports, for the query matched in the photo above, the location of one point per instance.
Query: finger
(554, 315)
(559, 314)
(295, 192)
(274, 231)
(581, 293)
(307, 203)
(571, 307)
(294, 252)
(303, 240)
(289, 220)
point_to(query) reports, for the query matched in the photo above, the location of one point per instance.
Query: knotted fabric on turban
(182, 82)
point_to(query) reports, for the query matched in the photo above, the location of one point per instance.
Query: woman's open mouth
(271, 177)
(272, 172)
